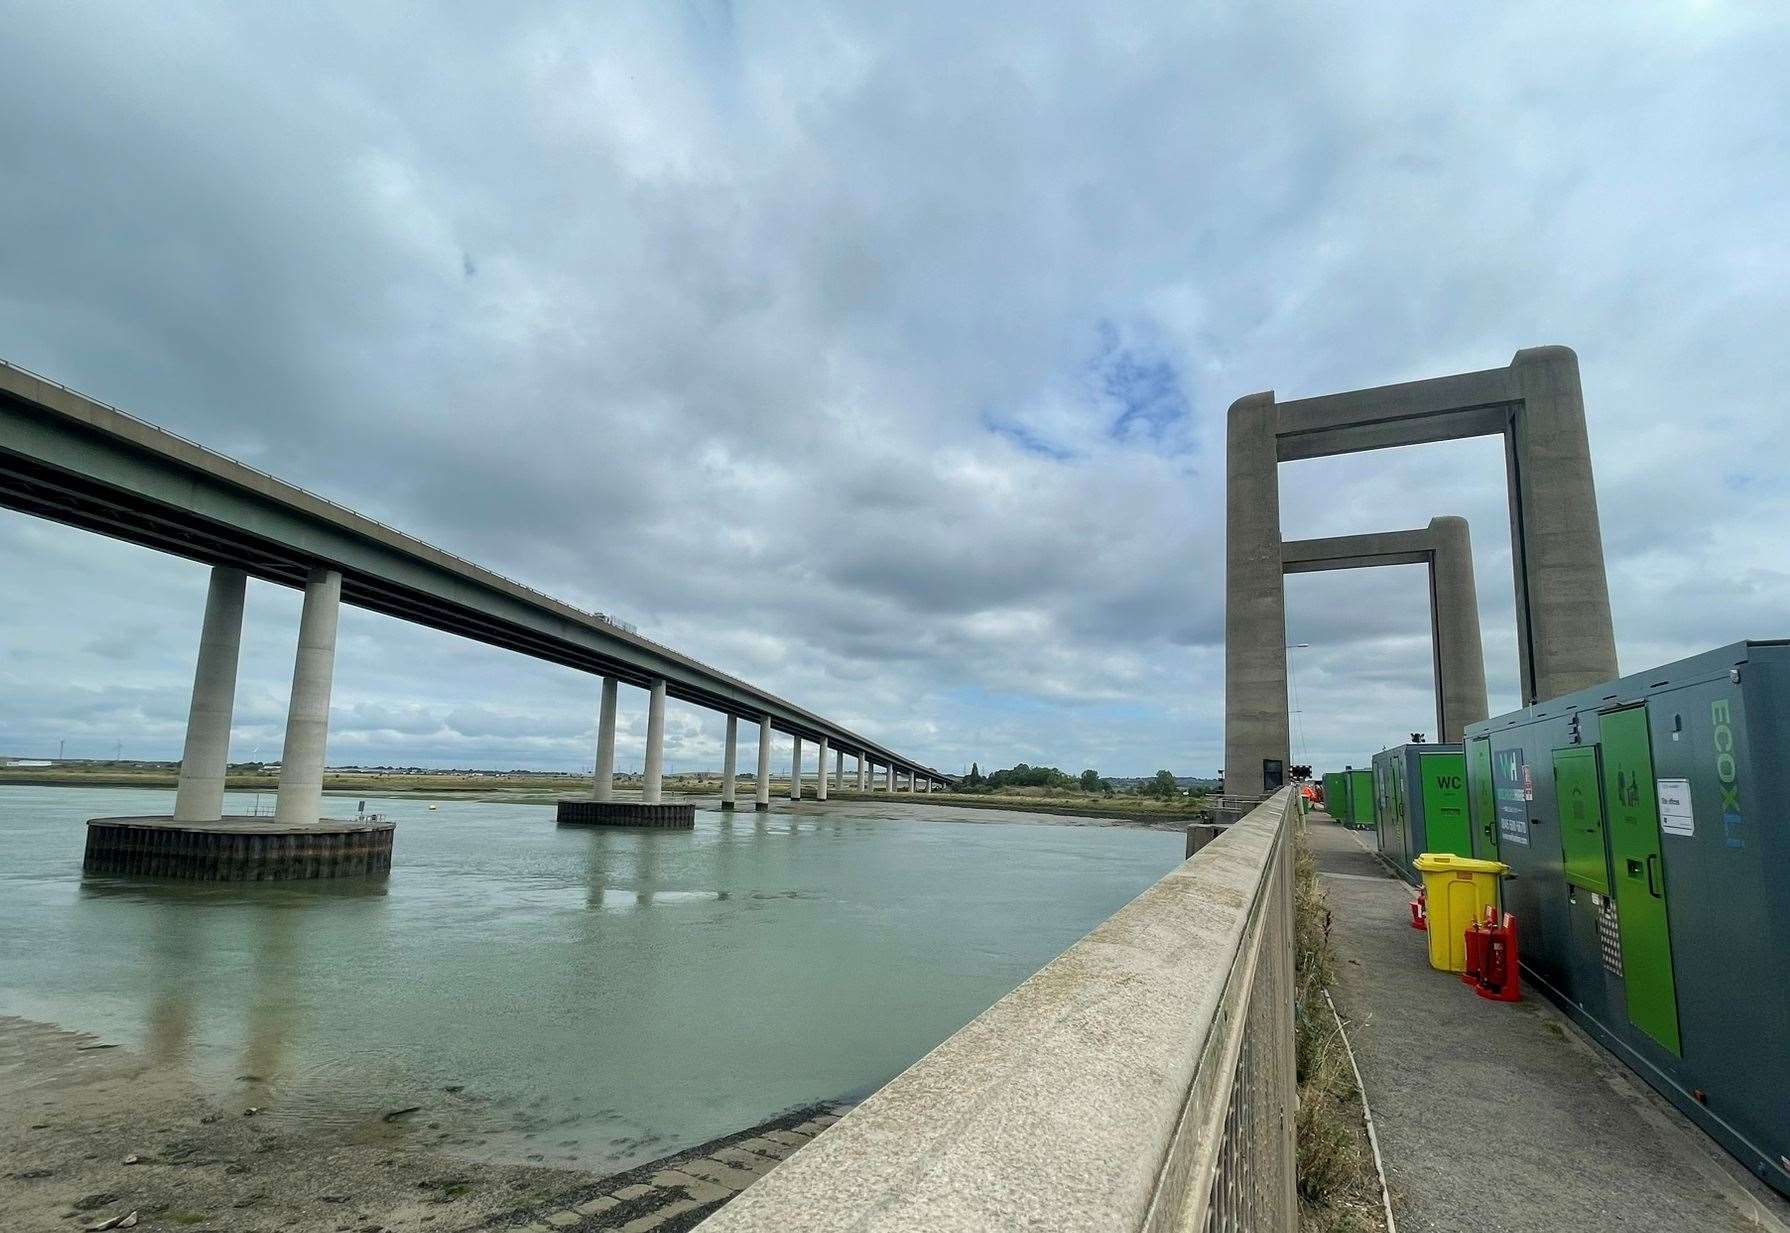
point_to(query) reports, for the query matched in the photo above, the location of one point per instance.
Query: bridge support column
(1256, 723)
(300, 801)
(820, 771)
(655, 744)
(1460, 656)
(730, 762)
(762, 789)
(603, 786)
(839, 771)
(889, 777)
(206, 757)
(795, 771)
(862, 765)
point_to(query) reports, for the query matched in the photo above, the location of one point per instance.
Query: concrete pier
(762, 789)
(663, 815)
(650, 810)
(655, 744)
(1460, 653)
(839, 771)
(889, 778)
(237, 849)
(603, 788)
(1565, 638)
(1257, 732)
(863, 770)
(730, 763)
(206, 757)
(820, 771)
(795, 771)
(307, 715)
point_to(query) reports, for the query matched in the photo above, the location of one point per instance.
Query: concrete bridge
(66, 457)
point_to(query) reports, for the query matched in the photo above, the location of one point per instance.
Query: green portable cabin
(1361, 798)
(1644, 820)
(1420, 803)
(1336, 795)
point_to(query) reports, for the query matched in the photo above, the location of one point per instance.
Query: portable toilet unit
(1361, 798)
(1420, 803)
(1644, 821)
(1336, 795)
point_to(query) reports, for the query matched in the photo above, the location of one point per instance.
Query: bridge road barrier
(1142, 1080)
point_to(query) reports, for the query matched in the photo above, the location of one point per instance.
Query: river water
(584, 997)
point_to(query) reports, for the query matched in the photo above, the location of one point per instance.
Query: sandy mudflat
(71, 1113)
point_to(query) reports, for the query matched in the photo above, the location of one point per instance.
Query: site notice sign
(1510, 787)
(1675, 814)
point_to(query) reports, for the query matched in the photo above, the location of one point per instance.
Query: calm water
(602, 997)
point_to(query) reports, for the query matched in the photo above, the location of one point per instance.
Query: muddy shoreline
(90, 1131)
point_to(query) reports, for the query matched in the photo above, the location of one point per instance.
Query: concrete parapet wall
(668, 815)
(237, 850)
(1097, 1095)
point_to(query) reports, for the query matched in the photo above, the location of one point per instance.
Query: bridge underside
(72, 460)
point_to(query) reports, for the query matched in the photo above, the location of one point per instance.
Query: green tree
(1090, 781)
(1163, 786)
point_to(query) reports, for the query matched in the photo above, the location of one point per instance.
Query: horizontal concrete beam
(1071, 1103)
(1309, 556)
(69, 458)
(1473, 404)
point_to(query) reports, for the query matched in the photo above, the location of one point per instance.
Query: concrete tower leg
(1567, 640)
(820, 771)
(839, 771)
(889, 778)
(603, 786)
(1256, 736)
(761, 790)
(206, 757)
(730, 762)
(862, 768)
(1454, 613)
(655, 744)
(795, 771)
(300, 801)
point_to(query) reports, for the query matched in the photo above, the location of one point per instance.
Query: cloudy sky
(880, 353)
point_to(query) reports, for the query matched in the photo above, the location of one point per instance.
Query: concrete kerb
(1059, 1106)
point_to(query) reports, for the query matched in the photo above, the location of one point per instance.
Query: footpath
(1505, 1117)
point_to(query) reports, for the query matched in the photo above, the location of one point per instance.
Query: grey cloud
(752, 283)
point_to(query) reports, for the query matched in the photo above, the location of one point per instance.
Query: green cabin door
(1482, 806)
(1640, 876)
(1361, 798)
(1398, 810)
(1579, 799)
(1445, 803)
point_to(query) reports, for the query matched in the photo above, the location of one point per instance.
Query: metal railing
(1143, 1080)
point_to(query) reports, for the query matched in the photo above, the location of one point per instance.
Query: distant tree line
(1161, 786)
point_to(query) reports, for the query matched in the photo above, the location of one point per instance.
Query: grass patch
(1338, 1189)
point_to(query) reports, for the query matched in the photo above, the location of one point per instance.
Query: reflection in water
(578, 995)
(173, 954)
(191, 932)
(272, 1011)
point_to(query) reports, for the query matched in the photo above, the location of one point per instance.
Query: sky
(880, 354)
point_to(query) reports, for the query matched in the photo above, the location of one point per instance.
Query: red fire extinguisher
(1498, 980)
(1477, 933)
(1420, 910)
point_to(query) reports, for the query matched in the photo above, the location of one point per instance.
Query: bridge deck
(1566, 1137)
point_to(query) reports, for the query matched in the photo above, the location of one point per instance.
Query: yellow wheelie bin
(1457, 890)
